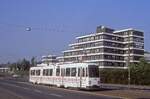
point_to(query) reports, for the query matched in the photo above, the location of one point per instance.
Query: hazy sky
(56, 23)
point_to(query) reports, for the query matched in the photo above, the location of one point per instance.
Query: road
(13, 89)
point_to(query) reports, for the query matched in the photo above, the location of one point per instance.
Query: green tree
(25, 65)
(33, 62)
(140, 74)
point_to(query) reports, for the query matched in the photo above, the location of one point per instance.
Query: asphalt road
(14, 89)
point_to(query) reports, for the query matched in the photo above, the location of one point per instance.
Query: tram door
(82, 76)
(62, 75)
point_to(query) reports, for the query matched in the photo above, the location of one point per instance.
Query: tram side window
(32, 72)
(67, 71)
(37, 72)
(50, 72)
(46, 72)
(86, 72)
(57, 71)
(73, 71)
(93, 71)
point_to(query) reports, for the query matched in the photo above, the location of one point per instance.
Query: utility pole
(128, 61)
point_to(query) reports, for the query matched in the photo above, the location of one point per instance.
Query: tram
(77, 75)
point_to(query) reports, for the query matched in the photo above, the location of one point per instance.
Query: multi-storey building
(49, 59)
(107, 47)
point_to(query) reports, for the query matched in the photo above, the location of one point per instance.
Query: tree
(21, 65)
(33, 63)
(25, 65)
(140, 74)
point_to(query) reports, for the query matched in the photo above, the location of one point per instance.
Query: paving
(12, 89)
(16, 89)
(128, 94)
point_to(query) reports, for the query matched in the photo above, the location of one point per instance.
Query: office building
(107, 47)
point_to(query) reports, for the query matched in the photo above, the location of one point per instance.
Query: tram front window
(93, 71)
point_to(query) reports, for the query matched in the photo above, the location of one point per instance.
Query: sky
(55, 23)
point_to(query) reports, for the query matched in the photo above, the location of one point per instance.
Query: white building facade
(107, 47)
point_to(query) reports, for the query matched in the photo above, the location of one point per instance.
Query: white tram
(77, 75)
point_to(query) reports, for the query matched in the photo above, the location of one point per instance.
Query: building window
(96, 37)
(92, 38)
(57, 71)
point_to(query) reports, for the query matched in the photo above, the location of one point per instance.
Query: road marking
(22, 82)
(56, 95)
(37, 91)
(26, 88)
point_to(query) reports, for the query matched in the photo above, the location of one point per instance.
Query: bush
(114, 76)
(139, 73)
